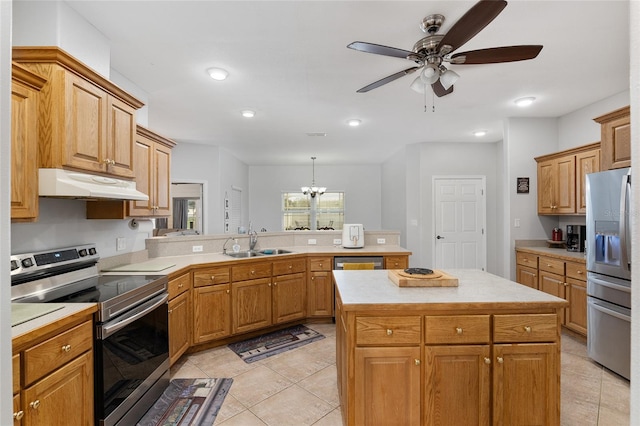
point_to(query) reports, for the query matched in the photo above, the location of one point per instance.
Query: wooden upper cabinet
(616, 138)
(86, 122)
(153, 173)
(561, 179)
(25, 88)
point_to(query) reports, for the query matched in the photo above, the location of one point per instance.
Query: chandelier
(313, 190)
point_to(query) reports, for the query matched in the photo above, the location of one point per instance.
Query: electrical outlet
(382, 241)
(516, 223)
(337, 241)
(311, 241)
(196, 249)
(121, 243)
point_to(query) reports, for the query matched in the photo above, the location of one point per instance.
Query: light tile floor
(299, 387)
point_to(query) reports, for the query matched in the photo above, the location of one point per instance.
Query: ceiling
(289, 62)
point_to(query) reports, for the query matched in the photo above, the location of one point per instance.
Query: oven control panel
(30, 263)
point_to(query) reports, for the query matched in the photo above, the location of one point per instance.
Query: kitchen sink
(245, 254)
(274, 251)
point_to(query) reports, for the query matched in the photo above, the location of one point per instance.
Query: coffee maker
(576, 235)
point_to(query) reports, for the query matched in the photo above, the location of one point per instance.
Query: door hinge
(482, 231)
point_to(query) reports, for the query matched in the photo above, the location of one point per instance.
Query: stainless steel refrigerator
(608, 248)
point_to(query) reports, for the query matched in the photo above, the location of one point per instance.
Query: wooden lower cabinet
(251, 305)
(396, 262)
(511, 377)
(54, 383)
(288, 298)
(179, 326)
(454, 374)
(526, 384)
(379, 373)
(211, 312)
(527, 276)
(320, 293)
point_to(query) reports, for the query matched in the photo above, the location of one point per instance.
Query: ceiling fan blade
(439, 90)
(471, 23)
(495, 55)
(378, 49)
(388, 79)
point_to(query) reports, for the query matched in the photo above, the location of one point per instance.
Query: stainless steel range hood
(67, 184)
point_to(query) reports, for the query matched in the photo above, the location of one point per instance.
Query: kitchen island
(484, 352)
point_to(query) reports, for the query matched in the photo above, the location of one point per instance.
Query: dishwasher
(358, 262)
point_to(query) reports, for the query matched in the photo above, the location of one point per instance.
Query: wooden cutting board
(437, 279)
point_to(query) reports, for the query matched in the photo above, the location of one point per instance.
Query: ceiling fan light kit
(431, 52)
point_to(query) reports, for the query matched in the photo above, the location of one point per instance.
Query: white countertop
(365, 288)
(66, 309)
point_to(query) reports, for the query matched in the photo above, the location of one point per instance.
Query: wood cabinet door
(288, 297)
(527, 276)
(143, 166)
(553, 284)
(251, 304)
(379, 373)
(18, 412)
(547, 177)
(616, 140)
(85, 146)
(586, 162)
(24, 149)
(64, 397)
(526, 384)
(457, 385)
(211, 312)
(565, 192)
(121, 131)
(396, 262)
(162, 180)
(179, 326)
(576, 313)
(320, 294)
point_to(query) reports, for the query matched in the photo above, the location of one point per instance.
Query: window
(323, 212)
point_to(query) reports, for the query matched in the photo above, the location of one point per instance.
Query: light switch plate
(311, 241)
(196, 249)
(121, 243)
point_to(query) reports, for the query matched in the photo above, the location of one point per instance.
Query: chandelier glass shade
(313, 190)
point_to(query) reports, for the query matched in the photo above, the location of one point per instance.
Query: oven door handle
(112, 326)
(607, 311)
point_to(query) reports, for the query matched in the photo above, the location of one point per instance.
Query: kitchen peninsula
(485, 352)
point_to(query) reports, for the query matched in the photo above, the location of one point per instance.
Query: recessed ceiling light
(480, 133)
(525, 102)
(248, 113)
(354, 122)
(218, 74)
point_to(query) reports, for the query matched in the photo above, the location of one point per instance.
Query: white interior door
(459, 222)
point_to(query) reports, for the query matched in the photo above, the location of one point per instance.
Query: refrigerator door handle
(604, 310)
(625, 242)
(608, 284)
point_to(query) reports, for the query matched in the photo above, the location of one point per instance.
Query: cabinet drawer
(321, 264)
(179, 285)
(293, 266)
(211, 276)
(251, 271)
(396, 262)
(16, 373)
(577, 270)
(53, 353)
(457, 329)
(550, 264)
(388, 330)
(527, 259)
(525, 328)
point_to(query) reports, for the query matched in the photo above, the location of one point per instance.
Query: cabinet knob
(313, 278)
(269, 284)
(321, 265)
(227, 291)
(389, 332)
(416, 361)
(35, 404)
(180, 285)
(487, 360)
(527, 329)
(66, 348)
(579, 272)
(213, 277)
(253, 272)
(290, 266)
(459, 330)
(19, 415)
(500, 360)
(275, 284)
(549, 265)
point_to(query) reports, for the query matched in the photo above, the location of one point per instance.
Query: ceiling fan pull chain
(433, 102)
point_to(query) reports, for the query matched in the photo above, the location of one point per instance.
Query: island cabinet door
(526, 384)
(380, 372)
(457, 385)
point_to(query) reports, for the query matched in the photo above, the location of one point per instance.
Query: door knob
(440, 238)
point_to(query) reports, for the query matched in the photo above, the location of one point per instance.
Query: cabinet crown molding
(571, 151)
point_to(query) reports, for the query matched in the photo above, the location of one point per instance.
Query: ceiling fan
(431, 52)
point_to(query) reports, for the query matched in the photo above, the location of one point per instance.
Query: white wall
(233, 173)
(394, 194)
(361, 184)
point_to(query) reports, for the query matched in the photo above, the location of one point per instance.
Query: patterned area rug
(188, 402)
(264, 346)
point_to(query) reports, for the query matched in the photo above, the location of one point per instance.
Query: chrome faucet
(253, 238)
